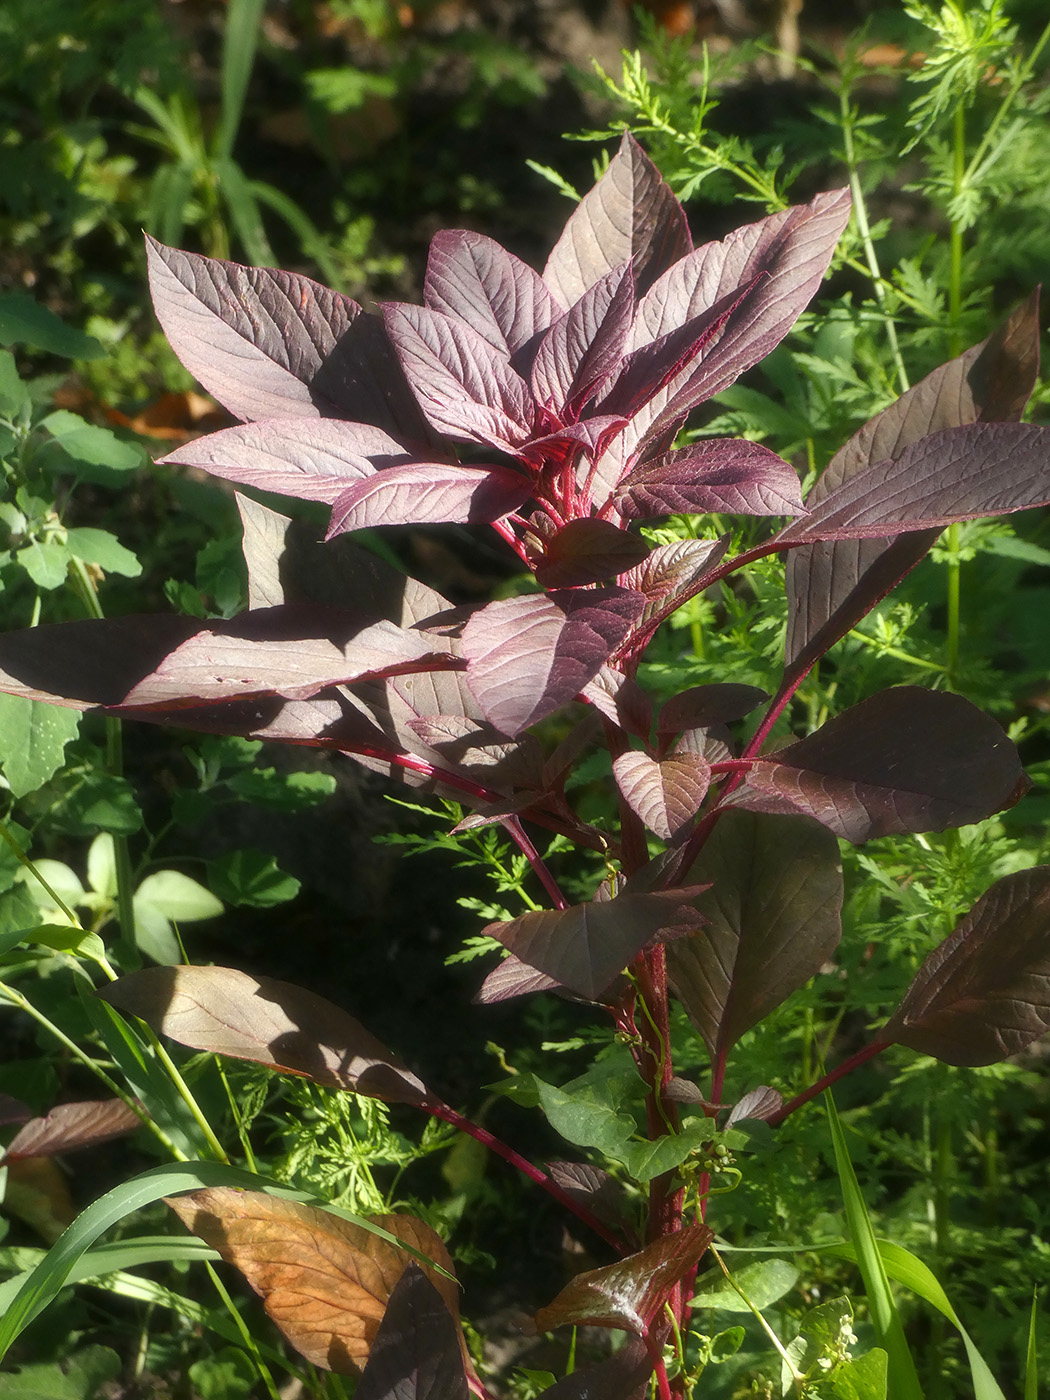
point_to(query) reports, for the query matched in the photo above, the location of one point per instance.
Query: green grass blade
(901, 1373)
(239, 43)
(1031, 1361)
(244, 211)
(302, 226)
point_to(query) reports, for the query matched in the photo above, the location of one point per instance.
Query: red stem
(655, 1351)
(512, 825)
(482, 1135)
(854, 1062)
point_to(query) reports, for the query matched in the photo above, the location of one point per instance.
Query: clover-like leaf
(226, 1012)
(324, 1281)
(984, 993)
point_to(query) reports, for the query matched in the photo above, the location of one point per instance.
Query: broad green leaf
(177, 896)
(251, 877)
(101, 801)
(645, 1160)
(64, 881)
(45, 562)
(33, 739)
(287, 791)
(762, 1283)
(862, 1378)
(227, 1374)
(101, 548)
(63, 938)
(102, 866)
(94, 446)
(78, 1377)
(590, 1113)
(14, 396)
(24, 321)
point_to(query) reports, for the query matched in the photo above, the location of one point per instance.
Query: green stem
(246, 1336)
(1020, 78)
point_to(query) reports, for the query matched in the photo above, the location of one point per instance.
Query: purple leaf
(584, 947)
(984, 993)
(596, 1189)
(785, 256)
(903, 760)
(584, 346)
(832, 585)
(666, 795)
(416, 1352)
(472, 278)
(466, 388)
(624, 1376)
(721, 474)
(314, 460)
(773, 908)
(672, 573)
(513, 978)
(762, 1103)
(264, 534)
(588, 551)
(703, 705)
(429, 493)
(530, 655)
(271, 344)
(630, 214)
(621, 700)
(71, 1126)
(226, 1012)
(955, 474)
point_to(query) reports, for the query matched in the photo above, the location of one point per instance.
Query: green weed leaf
(33, 739)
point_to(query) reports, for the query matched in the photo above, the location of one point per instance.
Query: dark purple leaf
(630, 1293)
(271, 344)
(903, 760)
(621, 700)
(624, 1376)
(773, 913)
(955, 474)
(416, 1354)
(512, 978)
(721, 474)
(585, 946)
(784, 256)
(471, 277)
(595, 1189)
(704, 705)
(685, 1091)
(429, 493)
(589, 551)
(226, 1012)
(590, 435)
(13, 1111)
(665, 794)
(466, 388)
(71, 1126)
(984, 993)
(762, 1103)
(315, 460)
(530, 655)
(470, 747)
(630, 214)
(672, 572)
(584, 346)
(831, 585)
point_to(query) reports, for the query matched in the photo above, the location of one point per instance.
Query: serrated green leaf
(101, 548)
(33, 739)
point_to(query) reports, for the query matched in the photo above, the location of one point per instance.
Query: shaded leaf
(324, 1281)
(584, 346)
(473, 278)
(629, 1293)
(984, 993)
(665, 794)
(624, 1376)
(621, 700)
(601, 1193)
(588, 551)
(630, 214)
(70, 1126)
(719, 474)
(670, 575)
(904, 760)
(832, 585)
(955, 474)
(585, 946)
(429, 493)
(773, 911)
(513, 978)
(530, 655)
(704, 705)
(416, 1354)
(226, 1012)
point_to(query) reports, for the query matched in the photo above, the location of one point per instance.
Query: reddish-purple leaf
(955, 474)
(665, 794)
(466, 388)
(773, 911)
(630, 214)
(70, 1126)
(704, 705)
(831, 585)
(226, 1012)
(264, 536)
(596, 1189)
(762, 1103)
(530, 655)
(13, 1111)
(271, 344)
(904, 760)
(472, 747)
(672, 572)
(720, 474)
(585, 946)
(984, 993)
(630, 1293)
(621, 700)
(623, 1376)
(314, 459)
(429, 493)
(416, 1353)
(784, 256)
(589, 551)
(512, 978)
(584, 346)
(472, 278)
